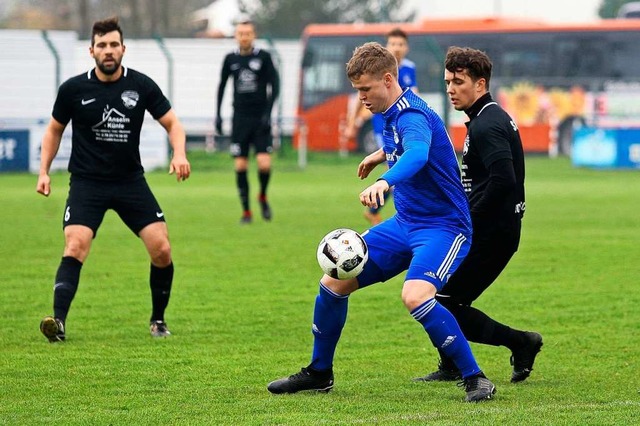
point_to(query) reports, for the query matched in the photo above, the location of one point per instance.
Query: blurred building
(217, 19)
(34, 63)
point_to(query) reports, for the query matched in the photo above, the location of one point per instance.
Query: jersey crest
(255, 64)
(130, 98)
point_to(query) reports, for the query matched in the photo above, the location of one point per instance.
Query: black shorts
(89, 200)
(249, 130)
(493, 245)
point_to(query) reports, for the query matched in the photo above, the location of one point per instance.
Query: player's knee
(339, 287)
(264, 162)
(76, 248)
(415, 293)
(411, 301)
(161, 254)
(241, 164)
(77, 241)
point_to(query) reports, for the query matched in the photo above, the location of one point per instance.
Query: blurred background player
(256, 86)
(493, 174)
(398, 44)
(427, 237)
(106, 107)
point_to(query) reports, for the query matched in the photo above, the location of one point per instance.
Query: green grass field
(243, 299)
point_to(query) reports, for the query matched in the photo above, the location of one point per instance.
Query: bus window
(324, 66)
(591, 61)
(578, 55)
(428, 56)
(625, 61)
(488, 43)
(524, 55)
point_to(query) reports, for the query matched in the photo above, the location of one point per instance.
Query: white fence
(187, 70)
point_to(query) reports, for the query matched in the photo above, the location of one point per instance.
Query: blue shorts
(427, 253)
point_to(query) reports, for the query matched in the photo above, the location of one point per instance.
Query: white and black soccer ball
(342, 254)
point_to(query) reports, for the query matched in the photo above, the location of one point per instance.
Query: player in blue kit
(106, 107)
(428, 236)
(398, 44)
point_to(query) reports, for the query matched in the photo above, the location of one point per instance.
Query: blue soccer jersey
(423, 166)
(407, 80)
(407, 74)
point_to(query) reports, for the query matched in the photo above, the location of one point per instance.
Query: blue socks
(329, 317)
(445, 334)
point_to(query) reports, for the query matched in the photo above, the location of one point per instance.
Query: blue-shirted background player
(428, 236)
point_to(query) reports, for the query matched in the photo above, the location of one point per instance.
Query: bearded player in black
(493, 178)
(253, 74)
(106, 107)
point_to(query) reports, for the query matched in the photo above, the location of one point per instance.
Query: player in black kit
(493, 178)
(253, 74)
(106, 107)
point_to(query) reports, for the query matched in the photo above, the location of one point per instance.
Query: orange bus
(552, 78)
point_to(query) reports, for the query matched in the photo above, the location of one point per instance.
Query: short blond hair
(373, 59)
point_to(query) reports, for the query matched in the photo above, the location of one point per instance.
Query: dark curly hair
(476, 62)
(105, 26)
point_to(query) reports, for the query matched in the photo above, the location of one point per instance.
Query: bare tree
(83, 14)
(139, 18)
(287, 18)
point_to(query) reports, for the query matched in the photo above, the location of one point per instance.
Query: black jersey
(251, 76)
(492, 135)
(106, 119)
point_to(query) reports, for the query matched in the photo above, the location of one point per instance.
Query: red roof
(478, 25)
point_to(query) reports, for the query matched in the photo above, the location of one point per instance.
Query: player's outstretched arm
(50, 145)
(370, 162)
(177, 138)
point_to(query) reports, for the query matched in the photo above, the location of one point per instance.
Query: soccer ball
(342, 254)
